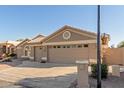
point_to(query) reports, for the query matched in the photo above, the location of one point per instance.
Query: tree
(20, 40)
(121, 44)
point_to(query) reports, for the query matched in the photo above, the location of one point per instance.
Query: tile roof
(37, 39)
(23, 42)
(15, 43)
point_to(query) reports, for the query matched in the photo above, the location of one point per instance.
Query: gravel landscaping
(110, 82)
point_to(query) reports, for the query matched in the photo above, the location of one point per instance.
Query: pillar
(82, 74)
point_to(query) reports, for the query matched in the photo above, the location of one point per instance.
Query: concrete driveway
(48, 75)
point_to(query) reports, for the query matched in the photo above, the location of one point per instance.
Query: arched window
(27, 50)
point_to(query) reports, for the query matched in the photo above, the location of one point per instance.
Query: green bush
(104, 71)
(7, 60)
(6, 55)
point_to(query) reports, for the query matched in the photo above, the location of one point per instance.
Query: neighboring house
(30, 48)
(8, 47)
(20, 48)
(34, 48)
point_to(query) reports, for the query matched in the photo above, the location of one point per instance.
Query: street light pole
(98, 49)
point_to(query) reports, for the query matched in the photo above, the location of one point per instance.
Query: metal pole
(98, 49)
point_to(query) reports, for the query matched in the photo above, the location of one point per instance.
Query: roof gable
(23, 42)
(37, 39)
(38, 36)
(74, 30)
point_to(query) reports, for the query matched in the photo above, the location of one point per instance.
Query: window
(85, 45)
(64, 46)
(54, 46)
(68, 46)
(27, 50)
(66, 35)
(73, 46)
(58, 46)
(50, 46)
(79, 46)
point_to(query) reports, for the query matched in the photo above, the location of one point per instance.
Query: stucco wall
(92, 51)
(70, 55)
(19, 52)
(32, 51)
(74, 37)
(114, 56)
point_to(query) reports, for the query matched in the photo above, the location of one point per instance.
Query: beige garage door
(67, 54)
(38, 53)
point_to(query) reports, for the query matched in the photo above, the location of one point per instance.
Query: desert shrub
(12, 55)
(104, 71)
(5, 55)
(8, 60)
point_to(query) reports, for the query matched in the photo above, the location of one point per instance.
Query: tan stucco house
(66, 45)
(35, 48)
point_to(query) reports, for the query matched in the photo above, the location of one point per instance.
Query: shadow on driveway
(65, 81)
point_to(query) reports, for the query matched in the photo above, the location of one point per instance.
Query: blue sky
(27, 21)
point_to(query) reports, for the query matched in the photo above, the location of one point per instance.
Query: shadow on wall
(66, 81)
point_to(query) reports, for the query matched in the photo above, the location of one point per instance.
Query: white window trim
(29, 51)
